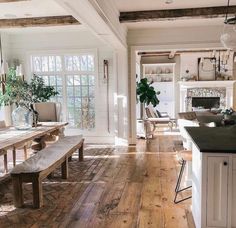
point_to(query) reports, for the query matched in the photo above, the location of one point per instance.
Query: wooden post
(17, 190)
(37, 192)
(81, 152)
(64, 169)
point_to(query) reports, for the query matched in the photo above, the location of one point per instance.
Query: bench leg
(25, 152)
(81, 152)
(17, 191)
(64, 169)
(5, 163)
(14, 156)
(37, 192)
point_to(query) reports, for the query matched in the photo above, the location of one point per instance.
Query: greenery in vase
(146, 93)
(19, 91)
(228, 111)
(39, 91)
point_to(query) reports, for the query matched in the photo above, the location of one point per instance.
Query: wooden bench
(42, 164)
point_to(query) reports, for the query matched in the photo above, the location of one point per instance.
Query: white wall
(29, 42)
(175, 38)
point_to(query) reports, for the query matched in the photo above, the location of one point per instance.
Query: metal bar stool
(186, 155)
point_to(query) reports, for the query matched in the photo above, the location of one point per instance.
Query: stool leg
(177, 188)
(180, 176)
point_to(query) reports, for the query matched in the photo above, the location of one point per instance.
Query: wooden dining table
(11, 138)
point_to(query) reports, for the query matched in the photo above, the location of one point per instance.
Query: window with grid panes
(73, 76)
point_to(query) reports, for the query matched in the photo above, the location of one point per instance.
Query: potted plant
(146, 95)
(22, 95)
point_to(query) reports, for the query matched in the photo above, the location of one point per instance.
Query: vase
(22, 118)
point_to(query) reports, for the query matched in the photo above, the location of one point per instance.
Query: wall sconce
(105, 70)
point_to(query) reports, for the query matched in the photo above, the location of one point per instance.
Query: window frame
(64, 74)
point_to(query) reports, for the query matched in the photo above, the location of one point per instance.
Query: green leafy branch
(146, 93)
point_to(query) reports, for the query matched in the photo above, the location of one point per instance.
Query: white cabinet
(234, 198)
(162, 76)
(214, 189)
(217, 191)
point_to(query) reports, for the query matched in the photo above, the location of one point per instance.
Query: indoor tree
(146, 93)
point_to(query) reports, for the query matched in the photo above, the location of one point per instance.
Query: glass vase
(22, 118)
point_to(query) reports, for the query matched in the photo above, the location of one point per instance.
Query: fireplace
(202, 89)
(206, 102)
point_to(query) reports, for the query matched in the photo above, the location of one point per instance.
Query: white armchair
(49, 111)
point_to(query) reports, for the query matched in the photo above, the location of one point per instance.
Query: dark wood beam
(174, 14)
(38, 22)
(7, 1)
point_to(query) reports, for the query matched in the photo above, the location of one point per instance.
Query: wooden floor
(120, 187)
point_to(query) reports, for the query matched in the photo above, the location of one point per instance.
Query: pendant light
(228, 36)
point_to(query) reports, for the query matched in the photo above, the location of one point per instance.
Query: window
(73, 76)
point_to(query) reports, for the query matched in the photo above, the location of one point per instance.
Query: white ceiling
(33, 8)
(138, 5)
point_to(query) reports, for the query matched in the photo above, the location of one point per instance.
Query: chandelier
(228, 36)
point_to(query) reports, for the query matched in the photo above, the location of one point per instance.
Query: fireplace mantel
(184, 86)
(207, 84)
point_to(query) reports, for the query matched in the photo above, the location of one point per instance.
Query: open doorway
(162, 71)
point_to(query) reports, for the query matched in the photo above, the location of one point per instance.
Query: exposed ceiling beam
(6, 1)
(177, 52)
(38, 22)
(174, 14)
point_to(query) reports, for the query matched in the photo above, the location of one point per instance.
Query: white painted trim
(158, 47)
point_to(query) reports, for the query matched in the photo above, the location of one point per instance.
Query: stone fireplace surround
(222, 89)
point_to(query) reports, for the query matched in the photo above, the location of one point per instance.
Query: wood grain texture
(8, 1)
(175, 14)
(38, 22)
(10, 137)
(127, 187)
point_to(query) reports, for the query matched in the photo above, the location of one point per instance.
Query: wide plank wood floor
(113, 187)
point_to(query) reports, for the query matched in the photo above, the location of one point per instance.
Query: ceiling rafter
(8, 1)
(175, 14)
(38, 22)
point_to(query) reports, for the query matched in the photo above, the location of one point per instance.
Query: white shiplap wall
(22, 44)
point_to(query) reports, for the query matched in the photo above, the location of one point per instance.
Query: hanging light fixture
(228, 36)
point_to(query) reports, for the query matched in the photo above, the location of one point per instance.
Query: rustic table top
(11, 137)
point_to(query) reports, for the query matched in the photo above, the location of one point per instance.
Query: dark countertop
(214, 139)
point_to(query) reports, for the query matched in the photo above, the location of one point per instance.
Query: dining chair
(23, 146)
(49, 112)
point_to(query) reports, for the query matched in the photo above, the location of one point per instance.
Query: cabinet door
(234, 200)
(217, 191)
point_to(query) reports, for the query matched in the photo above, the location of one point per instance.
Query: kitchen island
(213, 176)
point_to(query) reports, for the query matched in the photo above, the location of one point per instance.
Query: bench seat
(39, 166)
